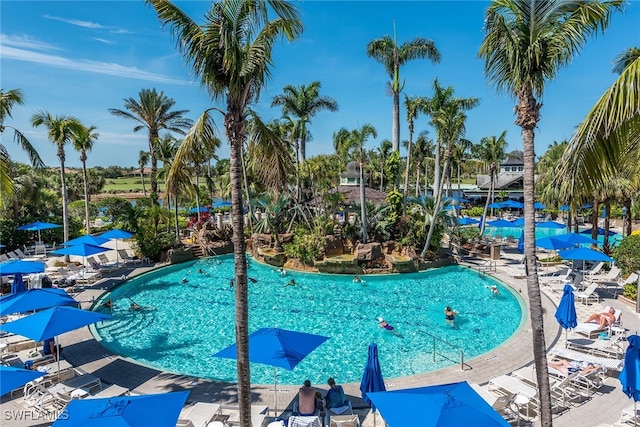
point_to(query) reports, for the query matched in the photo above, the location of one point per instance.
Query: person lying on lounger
(570, 367)
(603, 319)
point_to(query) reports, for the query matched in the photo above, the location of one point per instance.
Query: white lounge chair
(304, 421)
(126, 258)
(564, 353)
(592, 329)
(594, 270)
(610, 276)
(199, 415)
(612, 348)
(503, 405)
(344, 421)
(589, 294)
(627, 415)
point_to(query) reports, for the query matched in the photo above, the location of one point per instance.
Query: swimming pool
(183, 324)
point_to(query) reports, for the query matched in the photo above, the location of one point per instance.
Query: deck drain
(491, 358)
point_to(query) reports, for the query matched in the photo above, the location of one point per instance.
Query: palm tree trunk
(406, 173)
(144, 190)
(246, 189)
(626, 227)
(65, 208)
(86, 193)
(395, 126)
(298, 189)
(438, 201)
(381, 173)
(605, 242)
(418, 168)
(153, 176)
(363, 199)
(527, 118)
(198, 194)
(486, 204)
(234, 124)
(175, 218)
(594, 218)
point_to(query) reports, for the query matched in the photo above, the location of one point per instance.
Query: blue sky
(81, 58)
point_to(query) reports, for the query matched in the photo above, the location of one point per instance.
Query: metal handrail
(435, 351)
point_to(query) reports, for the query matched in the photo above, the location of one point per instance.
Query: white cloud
(26, 42)
(105, 41)
(77, 22)
(108, 68)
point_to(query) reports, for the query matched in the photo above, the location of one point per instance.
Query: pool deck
(85, 353)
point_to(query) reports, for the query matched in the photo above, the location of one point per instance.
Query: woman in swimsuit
(383, 324)
(449, 315)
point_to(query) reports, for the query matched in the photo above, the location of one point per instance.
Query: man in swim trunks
(449, 315)
(570, 367)
(603, 319)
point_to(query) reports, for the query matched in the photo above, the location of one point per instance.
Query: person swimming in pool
(450, 315)
(383, 324)
(357, 279)
(494, 290)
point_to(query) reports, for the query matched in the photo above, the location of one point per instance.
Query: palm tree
(383, 151)
(625, 59)
(526, 43)
(59, 132)
(153, 112)
(231, 54)
(7, 100)
(82, 138)
(304, 102)
(143, 159)
(355, 139)
(491, 151)
(413, 105)
(386, 51)
(423, 151)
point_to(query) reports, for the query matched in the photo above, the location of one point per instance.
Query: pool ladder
(488, 267)
(454, 347)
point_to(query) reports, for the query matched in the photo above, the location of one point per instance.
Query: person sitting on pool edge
(450, 315)
(306, 400)
(335, 403)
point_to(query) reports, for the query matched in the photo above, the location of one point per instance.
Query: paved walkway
(84, 352)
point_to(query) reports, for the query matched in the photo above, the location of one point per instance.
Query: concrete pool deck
(85, 353)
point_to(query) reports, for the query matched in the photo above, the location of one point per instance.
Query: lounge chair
(345, 409)
(344, 421)
(82, 275)
(113, 390)
(503, 405)
(561, 386)
(627, 415)
(594, 270)
(126, 258)
(565, 353)
(19, 253)
(556, 278)
(592, 329)
(4, 257)
(589, 294)
(199, 415)
(304, 421)
(610, 276)
(510, 385)
(612, 348)
(106, 263)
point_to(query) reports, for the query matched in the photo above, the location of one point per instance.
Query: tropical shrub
(627, 254)
(474, 211)
(150, 245)
(307, 247)
(469, 233)
(630, 291)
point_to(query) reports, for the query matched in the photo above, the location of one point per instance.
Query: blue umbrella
(157, 410)
(566, 311)
(467, 221)
(549, 224)
(564, 207)
(538, 205)
(81, 249)
(584, 254)
(34, 299)
(2, 246)
(563, 241)
(116, 233)
(37, 226)
(372, 380)
(11, 378)
(501, 223)
(220, 204)
(445, 405)
(496, 205)
(87, 239)
(601, 231)
(521, 243)
(18, 287)
(512, 204)
(630, 375)
(278, 348)
(196, 210)
(18, 266)
(518, 222)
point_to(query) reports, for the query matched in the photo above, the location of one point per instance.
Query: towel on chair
(339, 410)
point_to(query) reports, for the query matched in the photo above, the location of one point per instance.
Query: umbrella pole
(275, 391)
(55, 342)
(117, 254)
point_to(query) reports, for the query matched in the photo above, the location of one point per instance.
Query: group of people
(310, 401)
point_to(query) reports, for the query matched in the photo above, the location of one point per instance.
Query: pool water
(182, 325)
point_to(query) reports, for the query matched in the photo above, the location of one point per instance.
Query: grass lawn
(129, 184)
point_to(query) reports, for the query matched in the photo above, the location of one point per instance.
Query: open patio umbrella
(17, 268)
(11, 378)
(52, 322)
(563, 241)
(445, 405)
(468, 221)
(220, 204)
(512, 204)
(372, 380)
(549, 224)
(518, 222)
(501, 223)
(566, 311)
(202, 209)
(630, 375)
(116, 234)
(82, 249)
(86, 239)
(278, 348)
(34, 299)
(538, 205)
(601, 232)
(37, 226)
(157, 410)
(584, 254)
(496, 205)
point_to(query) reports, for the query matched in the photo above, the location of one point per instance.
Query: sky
(80, 58)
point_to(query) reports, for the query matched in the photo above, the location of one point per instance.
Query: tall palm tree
(231, 54)
(386, 51)
(355, 140)
(383, 151)
(59, 132)
(143, 159)
(423, 151)
(82, 138)
(153, 112)
(7, 101)
(526, 44)
(492, 152)
(625, 59)
(413, 105)
(304, 102)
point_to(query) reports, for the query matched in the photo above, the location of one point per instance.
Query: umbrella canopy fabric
(52, 322)
(501, 223)
(564, 207)
(18, 266)
(277, 347)
(521, 243)
(512, 204)
(538, 205)
(563, 241)
(455, 404)
(34, 299)
(81, 249)
(518, 222)
(37, 226)
(86, 239)
(202, 209)
(630, 375)
(220, 204)
(584, 254)
(468, 221)
(496, 205)
(566, 311)
(11, 378)
(157, 410)
(18, 287)
(601, 232)
(549, 224)
(117, 233)
(372, 380)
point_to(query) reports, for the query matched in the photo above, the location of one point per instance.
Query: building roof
(514, 158)
(352, 194)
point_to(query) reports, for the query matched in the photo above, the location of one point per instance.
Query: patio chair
(510, 385)
(126, 258)
(82, 275)
(557, 277)
(612, 348)
(565, 353)
(594, 270)
(345, 409)
(609, 276)
(199, 415)
(592, 330)
(589, 294)
(12, 255)
(40, 250)
(4, 257)
(627, 416)
(113, 390)
(344, 421)
(503, 405)
(304, 421)
(19, 253)
(106, 263)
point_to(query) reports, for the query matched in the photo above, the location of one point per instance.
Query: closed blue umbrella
(37, 226)
(34, 299)
(87, 239)
(566, 311)
(445, 405)
(630, 375)
(278, 348)
(372, 380)
(18, 287)
(11, 378)
(157, 410)
(521, 243)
